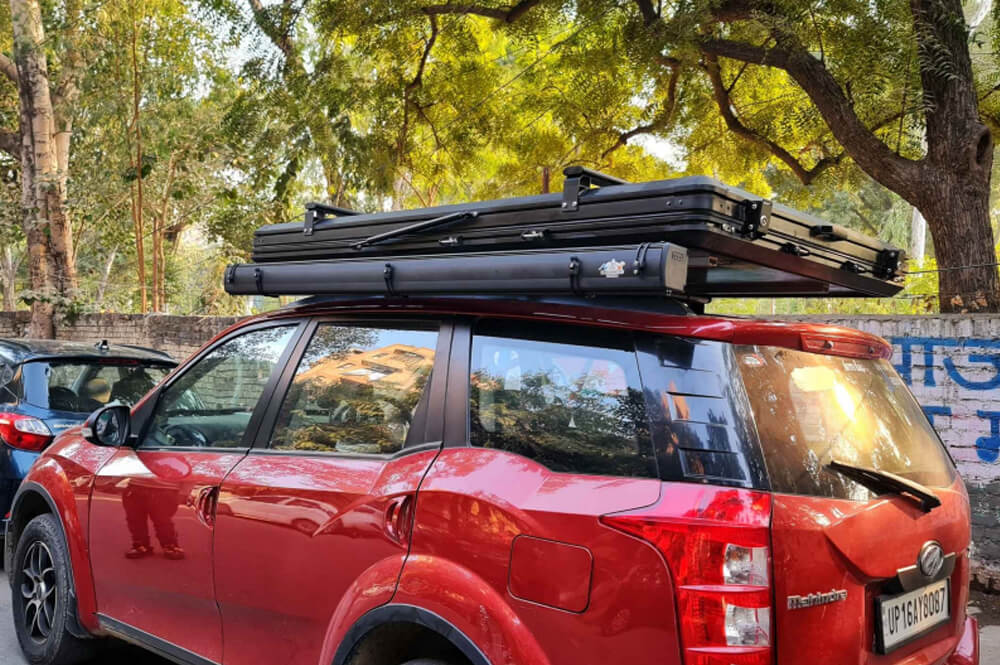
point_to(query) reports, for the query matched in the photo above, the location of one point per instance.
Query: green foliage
(247, 114)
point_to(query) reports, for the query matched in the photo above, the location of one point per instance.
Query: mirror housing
(109, 426)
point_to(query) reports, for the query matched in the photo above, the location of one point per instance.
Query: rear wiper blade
(883, 482)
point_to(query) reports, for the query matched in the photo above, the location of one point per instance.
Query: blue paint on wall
(986, 351)
(988, 447)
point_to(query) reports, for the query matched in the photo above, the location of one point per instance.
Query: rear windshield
(83, 386)
(811, 409)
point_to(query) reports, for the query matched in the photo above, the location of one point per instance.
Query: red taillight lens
(24, 432)
(716, 542)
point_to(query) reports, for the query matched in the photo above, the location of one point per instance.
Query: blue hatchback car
(48, 386)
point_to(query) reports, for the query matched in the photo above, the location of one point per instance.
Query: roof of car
(20, 350)
(663, 316)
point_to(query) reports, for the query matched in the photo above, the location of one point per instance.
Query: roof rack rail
(737, 245)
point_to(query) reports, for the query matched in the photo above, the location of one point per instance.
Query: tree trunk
(957, 214)
(9, 263)
(43, 195)
(954, 188)
(137, 190)
(159, 233)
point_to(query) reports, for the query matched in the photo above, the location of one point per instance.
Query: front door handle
(205, 505)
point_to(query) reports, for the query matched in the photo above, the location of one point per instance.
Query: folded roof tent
(691, 237)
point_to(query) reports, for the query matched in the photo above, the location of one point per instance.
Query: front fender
(64, 482)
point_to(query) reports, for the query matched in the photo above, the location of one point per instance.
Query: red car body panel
(162, 494)
(856, 546)
(484, 522)
(471, 508)
(331, 520)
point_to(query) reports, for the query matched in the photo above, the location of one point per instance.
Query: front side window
(357, 390)
(211, 403)
(572, 401)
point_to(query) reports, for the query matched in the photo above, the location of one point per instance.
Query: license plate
(909, 615)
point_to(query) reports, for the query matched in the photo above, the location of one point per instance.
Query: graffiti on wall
(956, 378)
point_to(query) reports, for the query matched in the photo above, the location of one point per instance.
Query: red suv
(475, 481)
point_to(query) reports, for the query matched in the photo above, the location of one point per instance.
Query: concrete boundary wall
(951, 362)
(180, 336)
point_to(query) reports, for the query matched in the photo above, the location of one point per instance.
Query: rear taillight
(716, 542)
(24, 432)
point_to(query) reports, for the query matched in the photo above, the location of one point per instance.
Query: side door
(151, 515)
(320, 510)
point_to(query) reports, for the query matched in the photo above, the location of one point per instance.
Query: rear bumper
(967, 651)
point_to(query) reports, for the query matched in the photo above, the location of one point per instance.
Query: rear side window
(811, 409)
(83, 386)
(568, 398)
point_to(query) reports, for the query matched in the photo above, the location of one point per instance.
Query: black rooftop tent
(691, 237)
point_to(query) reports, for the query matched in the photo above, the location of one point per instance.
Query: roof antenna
(103, 346)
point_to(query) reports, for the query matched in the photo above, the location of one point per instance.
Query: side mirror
(109, 426)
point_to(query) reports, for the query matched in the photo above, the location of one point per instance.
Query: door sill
(159, 646)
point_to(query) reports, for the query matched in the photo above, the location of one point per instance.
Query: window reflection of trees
(567, 421)
(356, 390)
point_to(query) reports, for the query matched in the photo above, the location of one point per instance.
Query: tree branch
(648, 11)
(724, 102)
(429, 44)
(661, 120)
(868, 151)
(507, 14)
(277, 34)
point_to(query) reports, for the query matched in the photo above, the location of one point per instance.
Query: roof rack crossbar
(580, 179)
(413, 228)
(316, 212)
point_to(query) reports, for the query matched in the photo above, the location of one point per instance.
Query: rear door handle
(205, 504)
(399, 518)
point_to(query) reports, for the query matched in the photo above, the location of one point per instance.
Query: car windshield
(83, 386)
(811, 409)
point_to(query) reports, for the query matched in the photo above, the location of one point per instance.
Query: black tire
(41, 601)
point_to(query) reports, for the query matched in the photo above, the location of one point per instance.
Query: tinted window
(356, 390)
(572, 402)
(10, 384)
(700, 419)
(211, 403)
(84, 386)
(811, 409)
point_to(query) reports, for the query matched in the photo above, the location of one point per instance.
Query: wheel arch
(406, 614)
(31, 500)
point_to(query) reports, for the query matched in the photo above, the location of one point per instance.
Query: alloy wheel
(38, 587)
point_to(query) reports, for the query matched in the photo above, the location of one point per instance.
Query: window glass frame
(147, 410)
(429, 410)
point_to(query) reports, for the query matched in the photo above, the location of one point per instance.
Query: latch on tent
(580, 180)
(316, 212)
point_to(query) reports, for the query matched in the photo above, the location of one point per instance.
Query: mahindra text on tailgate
(870, 522)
